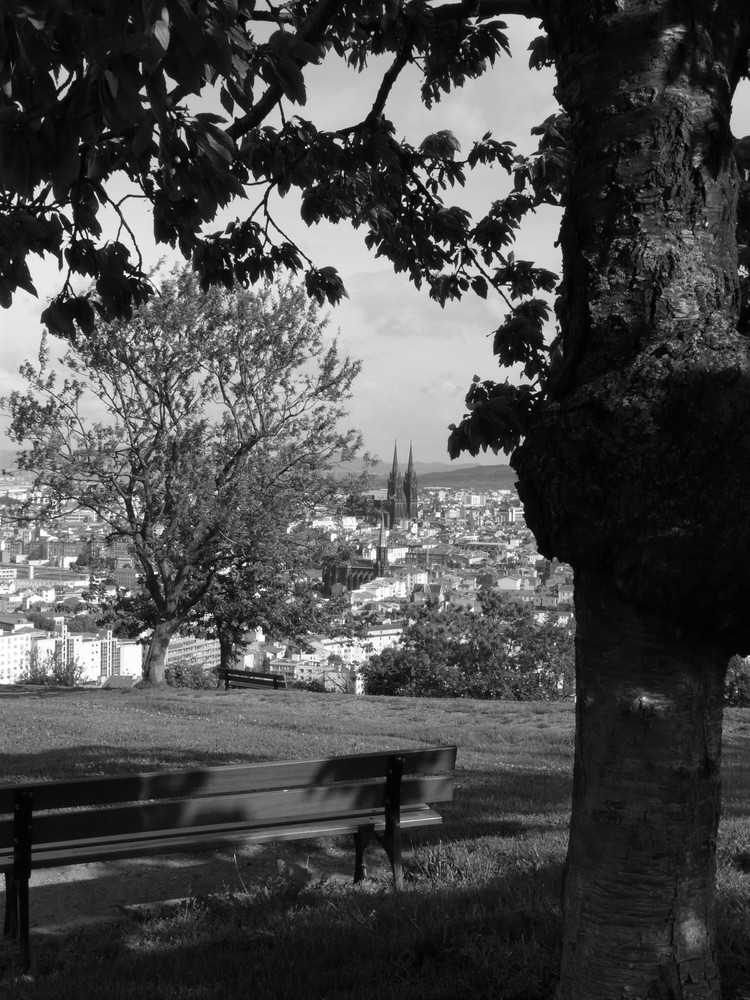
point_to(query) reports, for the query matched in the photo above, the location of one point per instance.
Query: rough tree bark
(638, 475)
(640, 873)
(228, 651)
(155, 662)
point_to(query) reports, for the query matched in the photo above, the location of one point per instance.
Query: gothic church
(402, 495)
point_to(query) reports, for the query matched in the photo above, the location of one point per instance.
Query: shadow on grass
(9, 692)
(508, 802)
(87, 760)
(435, 941)
(439, 940)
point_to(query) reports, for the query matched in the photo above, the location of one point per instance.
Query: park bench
(236, 678)
(49, 824)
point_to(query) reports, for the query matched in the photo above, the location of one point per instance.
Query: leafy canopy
(194, 106)
(188, 105)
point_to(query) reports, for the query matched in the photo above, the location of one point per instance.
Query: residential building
(193, 651)
(15, 653)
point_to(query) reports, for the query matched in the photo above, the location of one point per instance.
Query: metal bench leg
(16, 925)
(362, 838)
(22, 815)
(23, 922)
(10, 927)
(391, 839)
(391, 842)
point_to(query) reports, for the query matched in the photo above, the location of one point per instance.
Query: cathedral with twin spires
(401, 502)
(400, 508)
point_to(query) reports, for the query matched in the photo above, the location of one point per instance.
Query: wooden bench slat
(241, 809)
(260, 685)
(56, 855)
(238, 681)
(235, 677)
(81, 792)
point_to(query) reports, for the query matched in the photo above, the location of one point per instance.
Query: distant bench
(58, 823)
(237, 678)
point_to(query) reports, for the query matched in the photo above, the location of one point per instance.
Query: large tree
(634, 468)
(630, 435)
(195, 431)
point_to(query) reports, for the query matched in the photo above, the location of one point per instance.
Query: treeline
(500, 652)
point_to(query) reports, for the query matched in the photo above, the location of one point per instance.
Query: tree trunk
(636, 473)
(227, 650)
(640, 873)
(153, 667)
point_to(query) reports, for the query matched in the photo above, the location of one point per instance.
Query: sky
(418, 359)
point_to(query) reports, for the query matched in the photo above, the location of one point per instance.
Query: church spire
(396, 498)
(410, 487)
(381, 558)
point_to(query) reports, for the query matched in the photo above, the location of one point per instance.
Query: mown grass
(480, 913)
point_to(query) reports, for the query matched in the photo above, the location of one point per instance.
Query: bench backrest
(250, 678)
(240, 795)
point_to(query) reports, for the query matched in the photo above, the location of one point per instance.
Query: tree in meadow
(202, 425)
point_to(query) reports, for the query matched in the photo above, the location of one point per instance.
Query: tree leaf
(161, 30)
(291, 78)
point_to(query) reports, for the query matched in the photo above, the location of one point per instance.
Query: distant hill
(472, 477)
(455, 477)
(450, 475)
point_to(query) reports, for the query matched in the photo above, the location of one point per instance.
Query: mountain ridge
(429, 474)
(468, 477)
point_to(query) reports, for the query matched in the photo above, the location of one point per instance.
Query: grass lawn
(480, 914)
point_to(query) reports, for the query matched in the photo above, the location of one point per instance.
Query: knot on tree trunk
(646, 472)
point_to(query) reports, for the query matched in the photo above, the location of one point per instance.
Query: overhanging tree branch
(487, 8)
(311, 31)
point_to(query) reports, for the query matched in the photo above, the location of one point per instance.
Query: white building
(411, 576)
(10, 603)
(189, 650)
(15, 653)
(131, 659)
(98, 654)
(380, 637)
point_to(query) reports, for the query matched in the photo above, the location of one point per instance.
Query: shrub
(737, 688)
(179, 674)
(52, 671)
(315, 684)
(500, 651)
